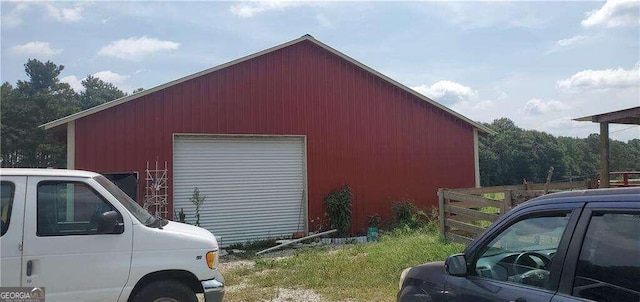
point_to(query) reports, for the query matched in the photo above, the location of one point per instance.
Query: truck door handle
(29, 267)
(521, 300)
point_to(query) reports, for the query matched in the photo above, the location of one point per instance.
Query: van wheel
(166, 291)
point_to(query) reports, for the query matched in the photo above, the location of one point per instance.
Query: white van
(82, 239)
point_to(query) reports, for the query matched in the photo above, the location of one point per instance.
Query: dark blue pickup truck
(569, 246)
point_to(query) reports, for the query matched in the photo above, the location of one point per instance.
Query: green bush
(407, 216)
(403, 212)
(338, 206)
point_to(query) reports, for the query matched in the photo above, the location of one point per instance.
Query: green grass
(368, 272)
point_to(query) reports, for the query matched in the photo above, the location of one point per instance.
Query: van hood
(187, 230)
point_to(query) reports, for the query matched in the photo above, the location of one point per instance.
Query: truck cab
(78, 236)
(569, 246)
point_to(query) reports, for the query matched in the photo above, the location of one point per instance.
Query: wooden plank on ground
(477, 200)
(470, 213)
(459, 239)
(474, 229)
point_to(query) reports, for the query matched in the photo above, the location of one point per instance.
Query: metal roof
(72, 117)
(630, 116)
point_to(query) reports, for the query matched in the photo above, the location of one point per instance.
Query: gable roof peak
(306, 37)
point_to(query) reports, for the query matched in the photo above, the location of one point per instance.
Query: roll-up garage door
(254, 186)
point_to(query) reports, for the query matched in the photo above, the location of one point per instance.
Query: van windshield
(133, 207)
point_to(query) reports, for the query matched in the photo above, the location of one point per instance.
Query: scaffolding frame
(156, 190)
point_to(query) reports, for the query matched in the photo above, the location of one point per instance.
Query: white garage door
(253, 185)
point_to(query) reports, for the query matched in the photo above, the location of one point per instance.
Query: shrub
(403, 211)
(407, 215)
(338, 206)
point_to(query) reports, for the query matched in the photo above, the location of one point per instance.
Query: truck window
(7, 189)
(68, 208)
(609, 263)
(524, 251)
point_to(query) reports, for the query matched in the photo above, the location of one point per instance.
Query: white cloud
(456, 96)
(538, 106)
(564, 43)
(482, 105)
(74, 82)
(36, 48)
(248, 9)
(572, 40)
(614, 13)
(467, 106)
(447, 92)
(602, 79)
(65, 14)
(111, 77)
(14, 17)
(135, 48)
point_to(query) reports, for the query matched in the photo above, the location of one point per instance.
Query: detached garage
(266, 137)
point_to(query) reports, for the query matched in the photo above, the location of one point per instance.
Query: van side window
(7, 189)
(68, 208)
(609, 265)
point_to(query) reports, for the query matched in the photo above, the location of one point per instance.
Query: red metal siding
(382, 141)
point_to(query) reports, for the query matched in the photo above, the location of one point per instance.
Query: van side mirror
(456, 265)
(107, 222)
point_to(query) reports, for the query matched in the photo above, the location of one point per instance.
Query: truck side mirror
(107, 222)
(456, 265)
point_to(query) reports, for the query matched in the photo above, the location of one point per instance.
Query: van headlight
(212, 259)
(402, 277)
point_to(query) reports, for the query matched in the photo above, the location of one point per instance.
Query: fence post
(441, 215)
(507, 202)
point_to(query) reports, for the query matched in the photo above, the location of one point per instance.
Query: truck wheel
(166, 291)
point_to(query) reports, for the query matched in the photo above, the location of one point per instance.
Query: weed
(407, 215)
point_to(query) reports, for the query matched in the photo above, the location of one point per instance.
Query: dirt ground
(231, 262)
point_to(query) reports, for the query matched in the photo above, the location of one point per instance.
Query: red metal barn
(266, 137)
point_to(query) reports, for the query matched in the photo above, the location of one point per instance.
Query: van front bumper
(213, 289)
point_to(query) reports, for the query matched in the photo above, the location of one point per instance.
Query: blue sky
(538, 63)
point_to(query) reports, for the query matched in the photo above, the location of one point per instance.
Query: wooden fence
(465, 213)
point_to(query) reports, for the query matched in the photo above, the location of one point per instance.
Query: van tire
(166, 290)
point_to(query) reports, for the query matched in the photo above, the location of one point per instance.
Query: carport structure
(630, 116)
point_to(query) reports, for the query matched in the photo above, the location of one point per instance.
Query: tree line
(509, 157)
(515, 155)
(40, 99)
